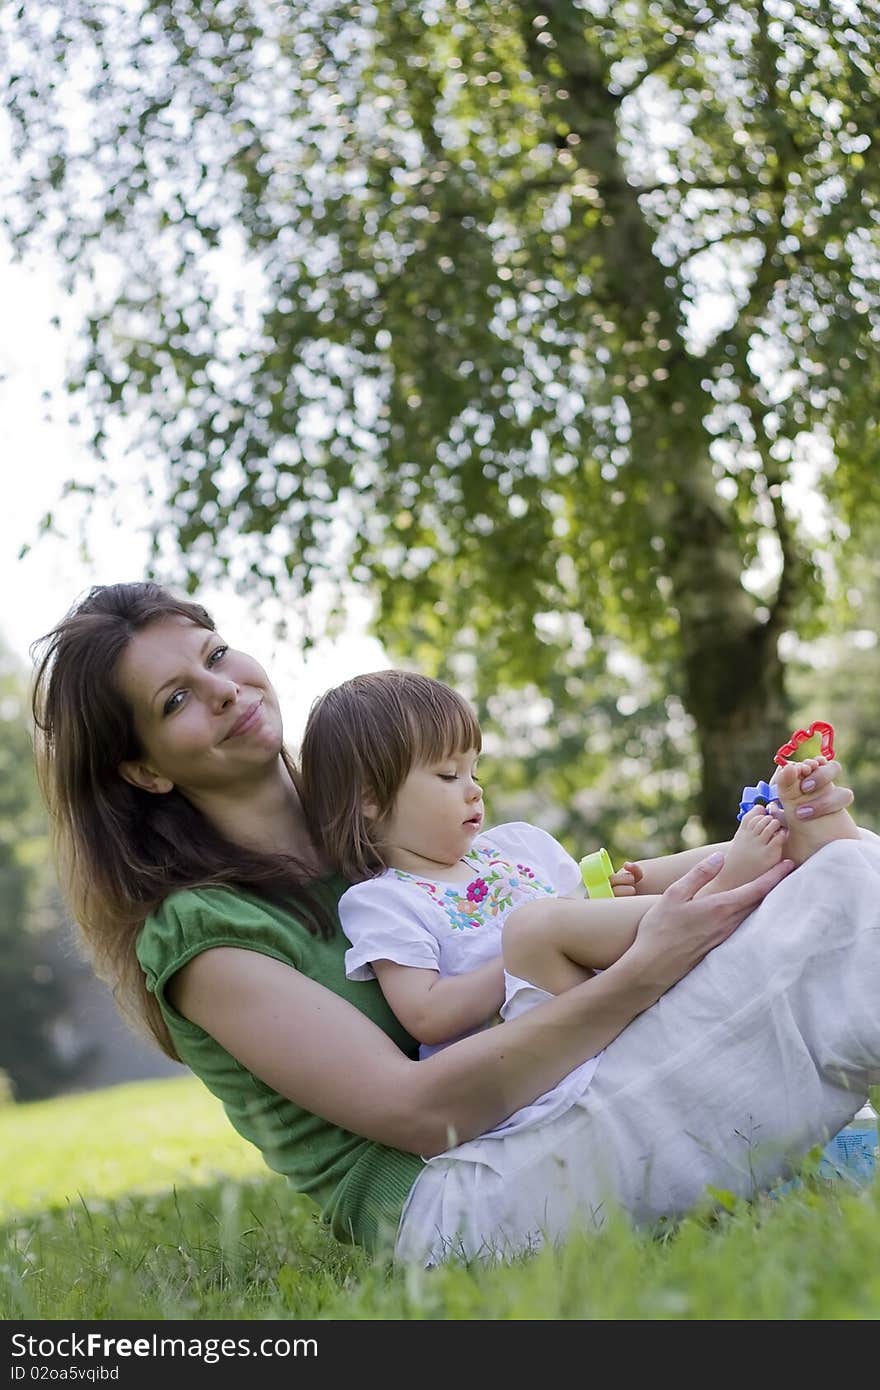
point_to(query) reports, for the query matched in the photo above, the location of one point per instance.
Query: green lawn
(141, 1202)
(144, 1137)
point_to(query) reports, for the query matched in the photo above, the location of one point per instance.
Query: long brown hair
(361, 741)
(121, 851)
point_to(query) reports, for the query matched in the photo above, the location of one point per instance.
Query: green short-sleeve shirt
(360, 1186)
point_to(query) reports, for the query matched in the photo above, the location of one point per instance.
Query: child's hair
(361, 741)
(119, 850)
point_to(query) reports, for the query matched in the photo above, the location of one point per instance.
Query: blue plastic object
(852, 1154)
(761, 795)
(850, 1157)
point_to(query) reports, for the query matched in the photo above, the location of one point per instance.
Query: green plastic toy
(596, 869)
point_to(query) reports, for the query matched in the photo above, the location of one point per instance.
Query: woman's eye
(173, 702)
(447, 776)
(217, 655)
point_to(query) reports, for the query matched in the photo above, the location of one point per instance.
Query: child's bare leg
(558, 942)
(806, 836)
(756, 847)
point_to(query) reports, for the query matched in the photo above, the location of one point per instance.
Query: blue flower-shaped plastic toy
(761, 795)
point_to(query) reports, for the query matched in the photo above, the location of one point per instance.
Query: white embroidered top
(455, 927)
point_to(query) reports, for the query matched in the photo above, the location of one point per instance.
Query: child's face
(437, 814)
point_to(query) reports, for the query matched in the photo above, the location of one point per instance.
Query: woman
(186, 857)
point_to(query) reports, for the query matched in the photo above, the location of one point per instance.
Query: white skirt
(765, 1049)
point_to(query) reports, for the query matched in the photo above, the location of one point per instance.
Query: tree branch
(703, 186)
(791, 575)
(735, 234)
(669, 51)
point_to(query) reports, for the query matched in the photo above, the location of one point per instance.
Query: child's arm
(435, 1010)
(655, 875)
(390, 925)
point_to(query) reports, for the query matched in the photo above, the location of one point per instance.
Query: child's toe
(788, 779)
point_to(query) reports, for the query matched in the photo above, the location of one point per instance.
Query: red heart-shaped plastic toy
(825, 733)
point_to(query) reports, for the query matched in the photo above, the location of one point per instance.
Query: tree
(32, 996)
(542, 309)
(841, 681)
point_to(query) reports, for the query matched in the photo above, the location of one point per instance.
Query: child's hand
(804, 768)
(623, 882)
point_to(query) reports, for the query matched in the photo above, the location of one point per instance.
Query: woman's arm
(434, 1009)
(319, 1051)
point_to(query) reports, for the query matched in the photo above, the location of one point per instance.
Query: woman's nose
(223, 692)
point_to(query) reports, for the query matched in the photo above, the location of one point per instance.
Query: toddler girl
(389, 762)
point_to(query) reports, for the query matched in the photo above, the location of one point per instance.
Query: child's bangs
(442, 727)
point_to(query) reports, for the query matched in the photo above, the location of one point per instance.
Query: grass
(140, 1202)
(144, 1137)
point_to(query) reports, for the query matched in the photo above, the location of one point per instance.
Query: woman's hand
(678, 931)
(828, 798)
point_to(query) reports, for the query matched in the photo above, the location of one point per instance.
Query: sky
(38, 454)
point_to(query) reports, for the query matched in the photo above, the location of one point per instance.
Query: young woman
(729, 1050)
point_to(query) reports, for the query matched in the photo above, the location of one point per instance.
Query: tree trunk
(735, 692)
(733, 681)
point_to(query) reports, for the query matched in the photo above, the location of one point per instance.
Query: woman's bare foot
(757, 846)
(807, 835)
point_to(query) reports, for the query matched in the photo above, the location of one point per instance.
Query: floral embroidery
(477, 890)
(500, 887)
(460, 920)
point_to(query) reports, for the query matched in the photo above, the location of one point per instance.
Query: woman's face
(206, 716)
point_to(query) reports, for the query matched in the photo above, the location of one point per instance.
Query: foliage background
(33, 994)
(538, 315)
(554, 327)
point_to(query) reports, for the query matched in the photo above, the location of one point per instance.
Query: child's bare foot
(806, 835)
(757, 846)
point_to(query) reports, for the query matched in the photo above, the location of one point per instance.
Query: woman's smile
(246, 721)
